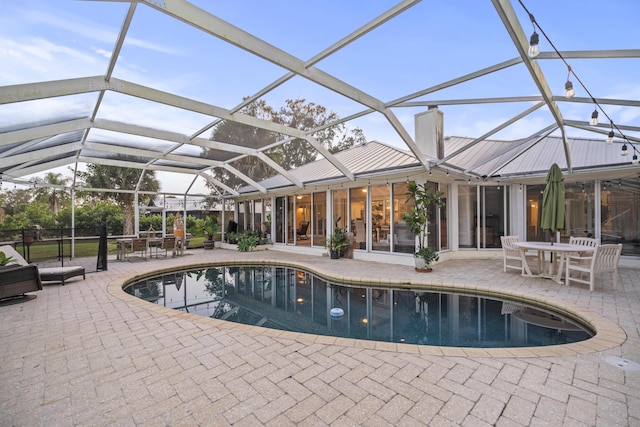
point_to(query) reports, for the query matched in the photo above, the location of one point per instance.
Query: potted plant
(210, 227)
(417, 220)
(337, 241)
(5, 260)
(231, 237)
(247, 241)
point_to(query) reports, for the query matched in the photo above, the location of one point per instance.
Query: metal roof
(76, 119)
(493, 160)
(370, 158)
(514, 159)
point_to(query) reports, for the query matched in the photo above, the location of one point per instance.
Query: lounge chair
(47, 274)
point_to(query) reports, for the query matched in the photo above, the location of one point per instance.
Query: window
(358, 218)
(280, 220)
(403, 240)
(339, 209)
(620, 219)
(319, 215)
(580, 211)
(380, 217)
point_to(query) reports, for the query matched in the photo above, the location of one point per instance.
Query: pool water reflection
(296, 300)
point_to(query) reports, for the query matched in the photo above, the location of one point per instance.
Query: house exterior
(493, 188)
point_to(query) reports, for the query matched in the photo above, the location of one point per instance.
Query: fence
(53, 245)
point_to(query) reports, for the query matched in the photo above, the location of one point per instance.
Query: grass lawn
(48, 250)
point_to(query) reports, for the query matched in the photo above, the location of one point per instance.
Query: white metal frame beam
(512, 24)
(223, 30)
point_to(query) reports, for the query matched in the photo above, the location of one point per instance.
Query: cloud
(37, 59)
(102, 52)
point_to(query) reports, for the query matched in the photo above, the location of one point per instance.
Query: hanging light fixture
(624, 151)
(594, 118)
(534, 47)
(569, 91)
(611, 135)
(634, 160)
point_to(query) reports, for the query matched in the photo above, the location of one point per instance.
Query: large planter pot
(421, 265)
(334, 254)
(208, 244)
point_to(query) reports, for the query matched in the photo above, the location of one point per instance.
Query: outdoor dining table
(558, 253)
(126, 242)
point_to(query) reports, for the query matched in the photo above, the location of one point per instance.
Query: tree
(51, 193)
(89, 218)
(297, 114)
(118, 178)
(15, 201)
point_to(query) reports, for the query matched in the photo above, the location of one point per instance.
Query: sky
(429, 43)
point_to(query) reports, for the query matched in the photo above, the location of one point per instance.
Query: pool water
(296, 300)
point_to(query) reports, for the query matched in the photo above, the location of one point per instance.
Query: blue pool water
(296, 300)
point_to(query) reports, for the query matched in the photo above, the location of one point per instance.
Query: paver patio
(88, 354)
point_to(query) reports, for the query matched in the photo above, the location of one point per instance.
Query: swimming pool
(293, 299)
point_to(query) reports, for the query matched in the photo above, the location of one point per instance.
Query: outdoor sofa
(47, 274)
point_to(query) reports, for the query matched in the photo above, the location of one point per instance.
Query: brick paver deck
(88, 354)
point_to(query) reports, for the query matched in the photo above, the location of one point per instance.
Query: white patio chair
(511, 254)
(603, 260)
(584, 241)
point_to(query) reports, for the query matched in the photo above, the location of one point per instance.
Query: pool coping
(608, 335)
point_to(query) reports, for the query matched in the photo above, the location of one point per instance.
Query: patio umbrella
(553, 209)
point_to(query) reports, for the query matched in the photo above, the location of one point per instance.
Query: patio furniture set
(150, 247)
(581, 260)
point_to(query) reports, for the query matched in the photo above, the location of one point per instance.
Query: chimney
(430, 132)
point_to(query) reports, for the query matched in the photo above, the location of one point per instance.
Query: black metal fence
(51, 245)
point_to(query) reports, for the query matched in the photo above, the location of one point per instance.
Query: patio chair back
(140, 245)
(510, 253)
(168, 244)
(604, 259)
(584, 241)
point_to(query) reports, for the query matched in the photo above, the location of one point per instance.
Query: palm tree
(55, 180)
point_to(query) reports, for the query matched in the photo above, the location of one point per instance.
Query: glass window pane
(580, 208)
(319, 216)
(291, 220)
(403, 240)
(303, 219)
(380, 217)
(339, 208)
(620, 217)
(444, 238)
(358, 210)
(280, 219)
(467, 203)
(491, 216)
